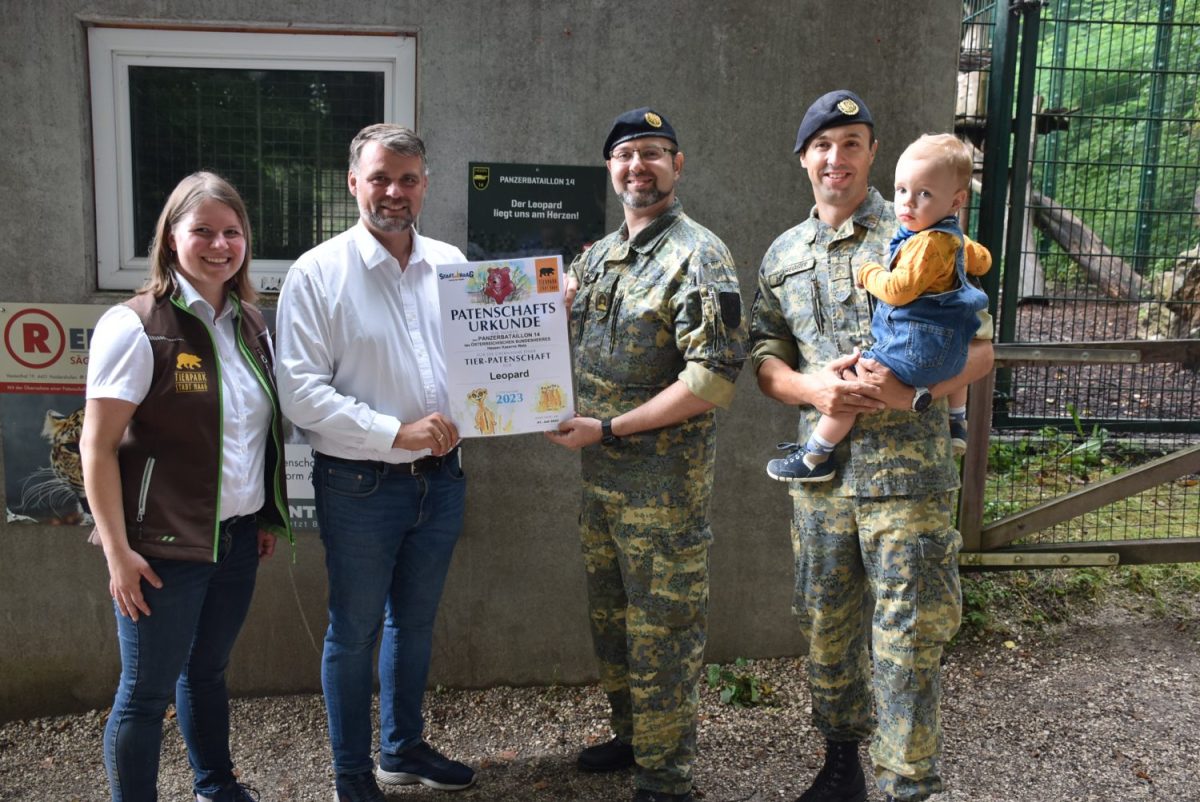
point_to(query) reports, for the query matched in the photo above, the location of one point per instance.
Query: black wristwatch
(922, 398)
(606, 433)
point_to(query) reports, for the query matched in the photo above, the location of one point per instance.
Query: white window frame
(112, 50)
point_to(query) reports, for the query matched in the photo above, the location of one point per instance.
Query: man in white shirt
(362, 372)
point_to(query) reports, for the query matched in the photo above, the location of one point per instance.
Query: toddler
(925, 309)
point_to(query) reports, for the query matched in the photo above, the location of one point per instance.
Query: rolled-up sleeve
(711, 330)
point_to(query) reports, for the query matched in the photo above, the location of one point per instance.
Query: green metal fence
(1087, 113)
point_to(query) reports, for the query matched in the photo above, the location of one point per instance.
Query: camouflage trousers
(877, 582)
(647, 584)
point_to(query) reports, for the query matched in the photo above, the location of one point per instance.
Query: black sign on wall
(518, 210)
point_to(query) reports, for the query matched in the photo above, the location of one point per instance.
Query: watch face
(922, 401)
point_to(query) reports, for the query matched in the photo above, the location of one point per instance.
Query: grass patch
(1027, 470)
(1024, 471)
(1007, 602)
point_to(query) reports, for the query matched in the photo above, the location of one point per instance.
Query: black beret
(635, 124)
(832, 109)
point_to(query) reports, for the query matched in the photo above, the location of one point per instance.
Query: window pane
(280, 136)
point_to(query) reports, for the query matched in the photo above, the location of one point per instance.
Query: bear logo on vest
(189, 378)
(187, 362)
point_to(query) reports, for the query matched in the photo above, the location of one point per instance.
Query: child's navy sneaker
(958, 437)
(793, 468)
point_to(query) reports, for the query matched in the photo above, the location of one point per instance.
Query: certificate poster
(43, 376)
(508, 360)
(523, 210)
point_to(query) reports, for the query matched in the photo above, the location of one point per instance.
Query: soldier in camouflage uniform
(875, 549)
(659, 340)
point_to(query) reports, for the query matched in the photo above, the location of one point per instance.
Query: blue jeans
(388, 541)
(181, 652)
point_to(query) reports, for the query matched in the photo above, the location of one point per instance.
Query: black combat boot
(841, 778)
(612, 755)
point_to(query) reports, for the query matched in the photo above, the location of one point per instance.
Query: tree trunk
(1108, 271)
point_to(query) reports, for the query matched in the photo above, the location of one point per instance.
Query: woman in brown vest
(183, 466)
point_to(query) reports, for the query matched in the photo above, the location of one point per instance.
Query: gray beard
(640, 200)
(389, 224)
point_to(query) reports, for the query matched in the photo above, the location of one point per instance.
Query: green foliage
(1161, 583)
(1086, 455)
(737, 686)
(1080, 454)
(1099, 59)
(1003, 603)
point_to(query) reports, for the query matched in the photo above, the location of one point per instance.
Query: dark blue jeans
(388, 541)
(180, 651)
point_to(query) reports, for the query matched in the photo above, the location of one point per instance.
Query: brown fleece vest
(170, 456)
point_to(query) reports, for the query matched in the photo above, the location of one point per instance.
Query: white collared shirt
(121, 365)
(360, 344)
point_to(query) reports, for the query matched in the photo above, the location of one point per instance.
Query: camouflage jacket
(807, 312)
(650, 310)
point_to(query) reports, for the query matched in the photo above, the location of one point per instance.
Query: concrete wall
(521, 81)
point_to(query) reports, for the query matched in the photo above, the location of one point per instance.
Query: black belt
(234, 521)
(423, 465)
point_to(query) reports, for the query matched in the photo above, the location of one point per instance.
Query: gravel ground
(1104, 708)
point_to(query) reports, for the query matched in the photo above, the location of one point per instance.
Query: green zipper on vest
(220, 420)
(279, 452)
(144, 491)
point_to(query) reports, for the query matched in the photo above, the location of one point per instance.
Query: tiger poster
(43, 377)
(43, 370)
(508, 361)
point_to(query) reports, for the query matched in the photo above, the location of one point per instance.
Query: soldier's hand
(569, 291)
(842, 391)
(891, 392)
(576, 433)
(435, 432)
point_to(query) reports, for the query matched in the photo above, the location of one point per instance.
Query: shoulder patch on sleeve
(731, 309)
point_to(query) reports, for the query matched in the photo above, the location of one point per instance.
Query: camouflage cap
(635, 124)
(831, 110)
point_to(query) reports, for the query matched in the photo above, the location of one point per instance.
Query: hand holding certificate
(508, 361)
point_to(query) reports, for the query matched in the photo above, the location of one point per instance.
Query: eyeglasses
(650, 153)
